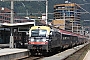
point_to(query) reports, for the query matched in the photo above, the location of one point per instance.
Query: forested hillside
(39, 7)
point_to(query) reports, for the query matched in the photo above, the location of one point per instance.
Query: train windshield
(38, 33)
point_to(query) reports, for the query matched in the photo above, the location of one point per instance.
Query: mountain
(24, 7)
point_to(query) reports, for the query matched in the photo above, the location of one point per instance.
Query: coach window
(64, 38)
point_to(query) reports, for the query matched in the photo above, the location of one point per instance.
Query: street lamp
(46, 11)
(11, 37)
(77, 28)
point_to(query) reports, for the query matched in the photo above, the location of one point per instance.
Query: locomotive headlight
(32, 40)
(43, 40)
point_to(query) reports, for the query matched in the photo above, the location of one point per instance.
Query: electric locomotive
(38, 39)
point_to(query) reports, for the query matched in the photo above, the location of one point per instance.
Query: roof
(65, 32)
(5, 9)
(70, 33)
(17, 24)
(66, 4)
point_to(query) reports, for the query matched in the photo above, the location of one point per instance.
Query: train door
(53, 39)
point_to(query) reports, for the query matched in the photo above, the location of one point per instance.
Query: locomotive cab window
(38, 33)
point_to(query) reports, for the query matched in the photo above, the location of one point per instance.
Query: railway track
(80, 54)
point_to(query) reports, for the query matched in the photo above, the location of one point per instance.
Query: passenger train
(44, 39)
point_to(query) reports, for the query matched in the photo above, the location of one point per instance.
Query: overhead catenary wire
(83, 9)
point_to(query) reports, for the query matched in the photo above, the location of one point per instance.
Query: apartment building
(67, 17)
(5, 16)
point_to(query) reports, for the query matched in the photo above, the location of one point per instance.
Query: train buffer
(87, 56)
(13, 54)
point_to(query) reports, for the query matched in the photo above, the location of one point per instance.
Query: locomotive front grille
(38, 46)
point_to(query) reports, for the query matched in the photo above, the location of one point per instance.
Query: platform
(87, 56)
(65, 54)
(13, 54)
